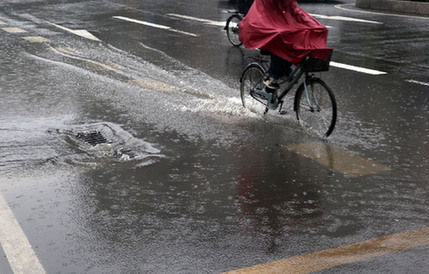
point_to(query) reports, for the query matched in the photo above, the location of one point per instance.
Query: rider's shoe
(272, 101)
(270, 83)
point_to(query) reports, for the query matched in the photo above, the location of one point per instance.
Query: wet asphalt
(133, 154)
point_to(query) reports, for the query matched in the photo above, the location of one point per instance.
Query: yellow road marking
(337, 159)
(67, 50)
(153, 84)
(104, 66)
(13, 30)
(343, 255)
(37, 39)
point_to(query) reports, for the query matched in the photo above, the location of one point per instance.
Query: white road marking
(21, 256)
(358, 69)
(343, 18)
(342, 7)
(80, 32)
(334, 64)
(205, 21)
(154, 25)
(418, 82)
(2, 23)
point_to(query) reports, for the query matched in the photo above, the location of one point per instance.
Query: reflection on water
(272, 199)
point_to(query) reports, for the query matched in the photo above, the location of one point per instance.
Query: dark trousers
(279, 67)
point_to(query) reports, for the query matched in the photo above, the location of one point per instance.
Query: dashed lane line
(14, 30)
(205, 21)
(356, 68)
(334, 64)
(21, 256)
(153, 25)
(342, 255)
(347, 163)
(344, 18)
(417, 82)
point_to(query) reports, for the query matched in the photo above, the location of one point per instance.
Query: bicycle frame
(293, 79)
(310, 89)
(296, 77)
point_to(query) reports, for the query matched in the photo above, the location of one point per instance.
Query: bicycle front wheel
(251, 81)
(232, 29)
(316, 107)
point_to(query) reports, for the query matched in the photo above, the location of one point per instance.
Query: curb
(409, 7)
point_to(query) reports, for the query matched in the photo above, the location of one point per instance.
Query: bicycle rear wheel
(316, 107)
(252, 80)
(232, 29)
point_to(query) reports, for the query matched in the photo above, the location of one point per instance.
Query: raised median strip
(347, 163)
(342, 255)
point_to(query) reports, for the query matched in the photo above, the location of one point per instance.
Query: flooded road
(128, 150)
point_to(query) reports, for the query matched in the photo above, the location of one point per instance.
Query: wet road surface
(128, 151)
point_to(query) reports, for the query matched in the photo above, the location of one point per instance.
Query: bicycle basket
(312, 64)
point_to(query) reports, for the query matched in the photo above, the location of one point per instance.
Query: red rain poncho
(283, 28)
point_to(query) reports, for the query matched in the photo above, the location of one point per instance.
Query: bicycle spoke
(233, 30)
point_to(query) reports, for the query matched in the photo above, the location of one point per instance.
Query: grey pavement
(406, 7)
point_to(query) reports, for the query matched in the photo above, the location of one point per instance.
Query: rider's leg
(279, 67)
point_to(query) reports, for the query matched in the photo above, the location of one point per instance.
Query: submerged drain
(92, 138)
(108, 140)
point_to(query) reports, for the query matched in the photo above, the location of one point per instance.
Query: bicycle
(232, 28)
(314, 102)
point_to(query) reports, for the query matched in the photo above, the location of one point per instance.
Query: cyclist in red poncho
(284, 29)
